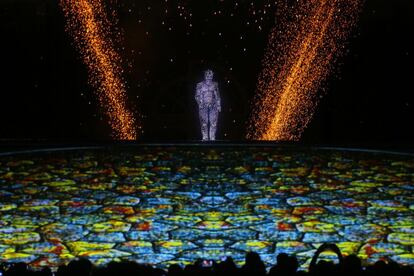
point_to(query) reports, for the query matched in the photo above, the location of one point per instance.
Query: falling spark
(309, 38)
(92, 31)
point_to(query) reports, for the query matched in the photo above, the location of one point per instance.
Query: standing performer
(209, 105)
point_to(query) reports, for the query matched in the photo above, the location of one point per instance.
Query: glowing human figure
(209, 105)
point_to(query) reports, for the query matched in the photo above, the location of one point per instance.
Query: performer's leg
(208, 111)
(203, 112)
(213, 123)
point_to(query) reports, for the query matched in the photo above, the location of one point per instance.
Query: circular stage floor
(174, 204)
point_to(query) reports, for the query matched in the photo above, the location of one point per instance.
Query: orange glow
(301, 54)
(88, 23)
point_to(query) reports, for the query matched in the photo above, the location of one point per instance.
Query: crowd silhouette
(286, 266)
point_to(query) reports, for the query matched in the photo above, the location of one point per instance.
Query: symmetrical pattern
(164, 205)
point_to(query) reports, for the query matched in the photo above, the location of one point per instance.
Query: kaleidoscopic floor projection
(164, 205)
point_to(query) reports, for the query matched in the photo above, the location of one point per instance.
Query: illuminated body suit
(209, 105)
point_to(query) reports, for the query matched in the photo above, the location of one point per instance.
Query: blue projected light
(165, 205)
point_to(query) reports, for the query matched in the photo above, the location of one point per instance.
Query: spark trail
(303, 48)
(88, 23)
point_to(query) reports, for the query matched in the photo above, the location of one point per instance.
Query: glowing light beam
(92, 32)
(309, 38)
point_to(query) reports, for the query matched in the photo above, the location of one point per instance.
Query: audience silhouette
(286, 266)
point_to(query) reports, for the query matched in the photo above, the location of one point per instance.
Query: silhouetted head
(46, 271)
(175, 270)
(79, 267)
(352, 264)
(254, 265)
(286, 265)
(292, 264)
(229, 261)
(324, 268)
(282, 259)
(18, 269)
(252, 258)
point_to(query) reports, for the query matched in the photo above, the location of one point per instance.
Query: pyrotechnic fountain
(88, 23)
(302, 50)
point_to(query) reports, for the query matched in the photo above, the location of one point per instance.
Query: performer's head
(208, 75)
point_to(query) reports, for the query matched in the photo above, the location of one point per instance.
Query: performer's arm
(217, 96)
(198, 93)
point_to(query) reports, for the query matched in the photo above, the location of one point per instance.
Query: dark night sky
(45, 93)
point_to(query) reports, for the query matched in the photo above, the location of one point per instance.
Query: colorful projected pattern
(164, 205)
